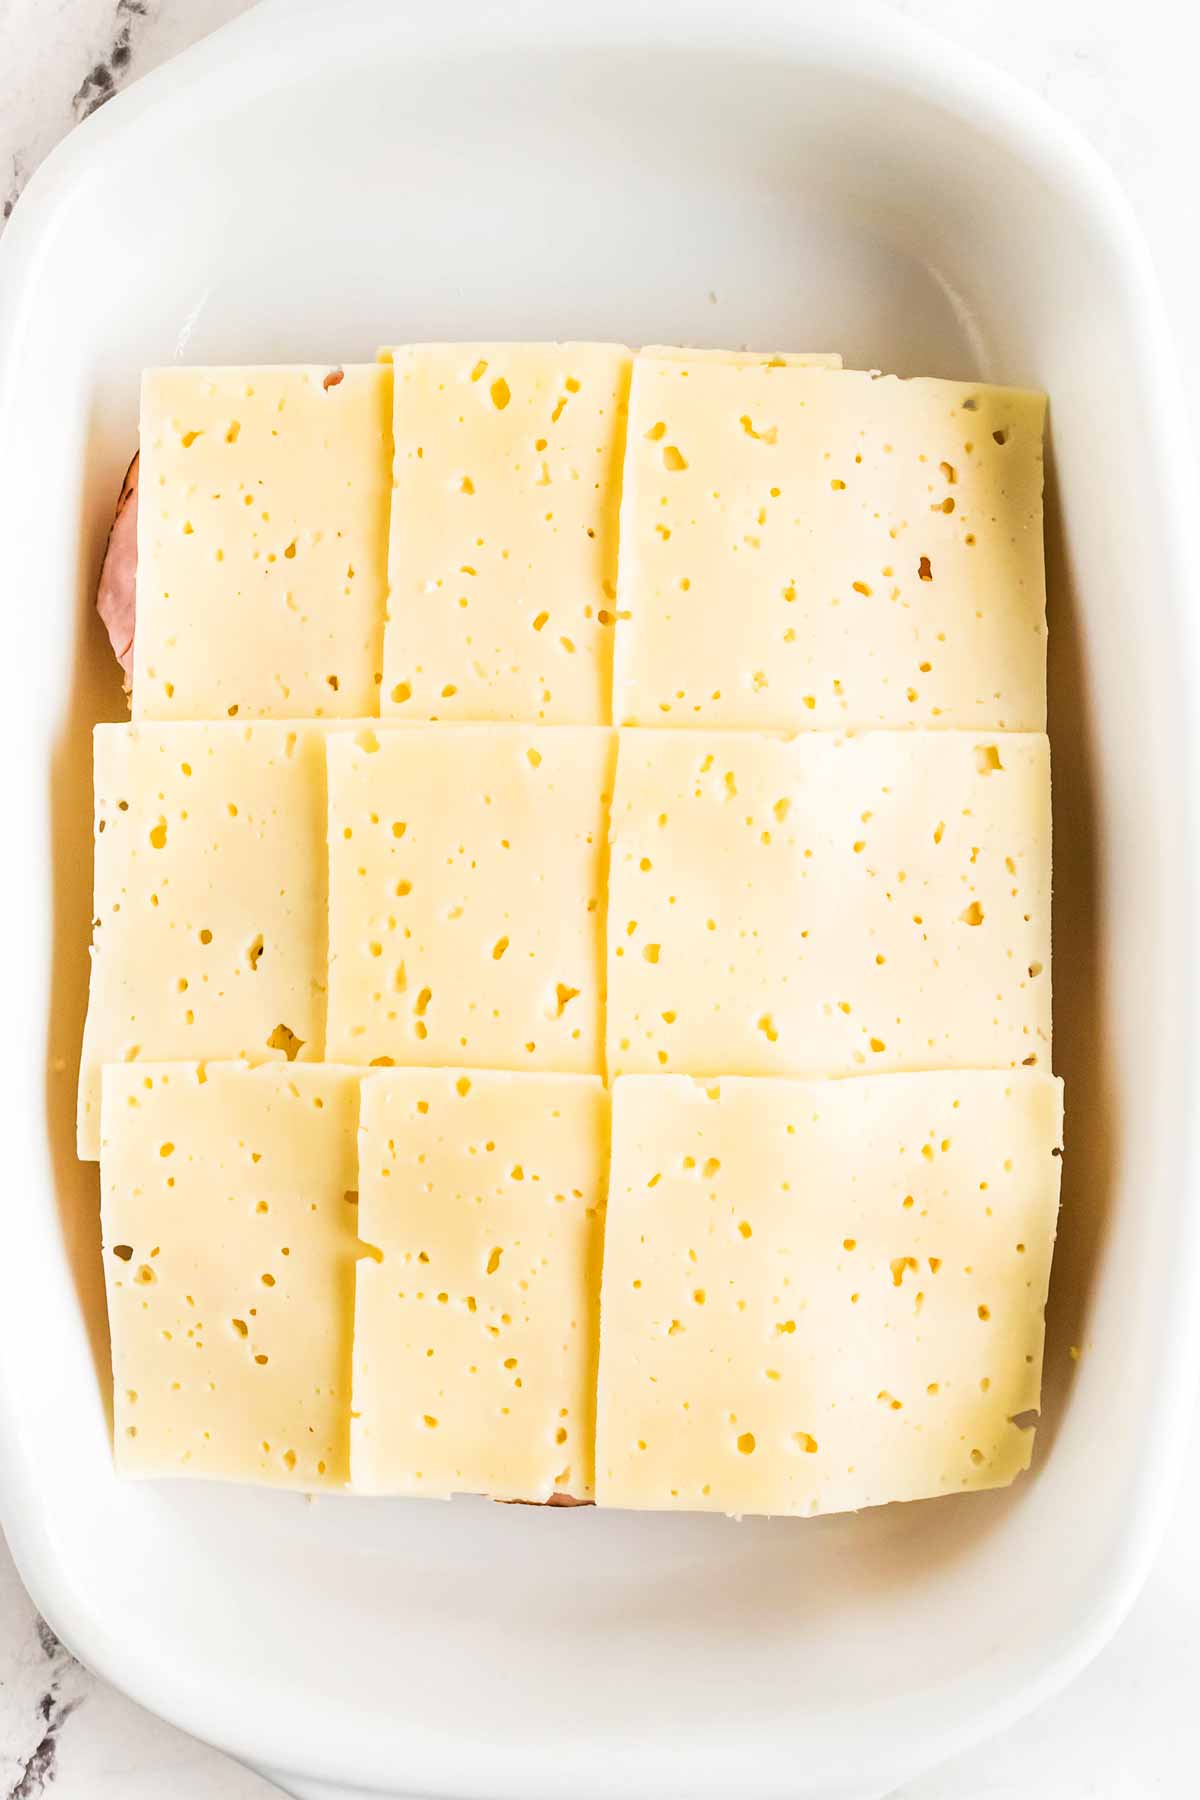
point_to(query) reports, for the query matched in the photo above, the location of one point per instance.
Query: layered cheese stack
(581, 813)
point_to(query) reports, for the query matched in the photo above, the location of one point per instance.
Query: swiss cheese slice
(802, 547)
(467, 895)
(503, 563)
(210, 909)
(476, 1334)
(827, 905)
(823, 1295)
(262, 542)
(745, 359)
(229, 1247)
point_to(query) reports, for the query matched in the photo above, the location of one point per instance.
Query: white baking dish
(313, 182)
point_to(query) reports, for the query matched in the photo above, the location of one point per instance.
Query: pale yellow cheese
(210, 909)
(262, 543)
(503, 562)
(229, 1247)
(823, 1295)
(476, 1334)
(801, 547)
(745, 359)
(467, 895)
(827, 905)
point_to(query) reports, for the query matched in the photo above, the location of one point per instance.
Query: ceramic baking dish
(315, 181)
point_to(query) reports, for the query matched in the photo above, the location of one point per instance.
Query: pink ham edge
(554, 1500)
(116, 594)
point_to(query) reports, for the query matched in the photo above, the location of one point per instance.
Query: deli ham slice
(116, 595)
(554, 1500)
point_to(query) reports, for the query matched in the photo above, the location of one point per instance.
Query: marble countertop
(1129, 1728)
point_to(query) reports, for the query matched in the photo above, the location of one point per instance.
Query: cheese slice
(210, 910)
(745, 359)
(262, 542)
(229, 1250)
(802, 548)
(823, 1295)
(467, 895)
(477, 1331)
(827, 905)
(503, 562)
